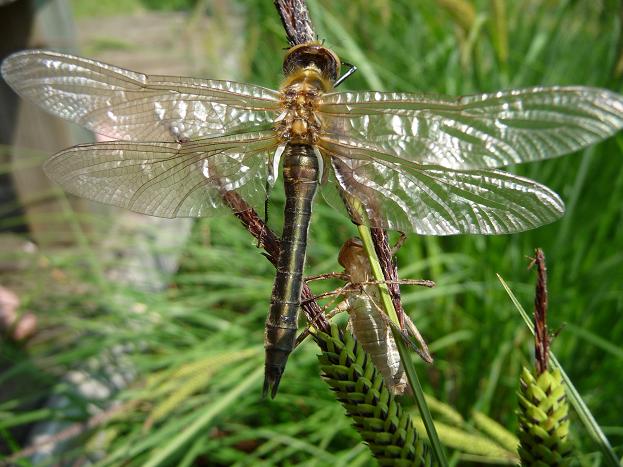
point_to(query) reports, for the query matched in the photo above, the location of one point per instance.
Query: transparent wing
(472, 132)
(168, 179)
(435, 200)
(131, 106)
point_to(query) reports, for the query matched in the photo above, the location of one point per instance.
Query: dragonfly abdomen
(375, 336)
(300, 174)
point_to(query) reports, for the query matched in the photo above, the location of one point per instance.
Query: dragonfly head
(312, 54)
(353, 259)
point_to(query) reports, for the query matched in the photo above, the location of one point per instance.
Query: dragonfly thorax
(299, 122)
(310, 70)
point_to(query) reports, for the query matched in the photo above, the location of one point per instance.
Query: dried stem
(541, 340)
(296, 21)
(390, 272)
(390, 269)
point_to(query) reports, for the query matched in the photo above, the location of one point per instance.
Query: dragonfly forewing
(474, 132)
(126, 105)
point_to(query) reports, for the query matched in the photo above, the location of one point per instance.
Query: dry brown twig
(541, 341)
(296, 22)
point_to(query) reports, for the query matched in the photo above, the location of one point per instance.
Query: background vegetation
(186, 383)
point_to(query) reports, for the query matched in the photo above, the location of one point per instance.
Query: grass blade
(161, 456)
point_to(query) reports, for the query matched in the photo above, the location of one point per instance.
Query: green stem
(377, 271)
(388, 306)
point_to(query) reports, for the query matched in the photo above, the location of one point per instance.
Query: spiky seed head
(378, 417)
(543, 420)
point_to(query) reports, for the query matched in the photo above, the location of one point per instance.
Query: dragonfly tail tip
(271, 383)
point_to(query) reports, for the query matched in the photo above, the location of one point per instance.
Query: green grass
(215, 309)
(94, 8)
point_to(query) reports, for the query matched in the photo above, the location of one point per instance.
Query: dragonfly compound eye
(312, 54)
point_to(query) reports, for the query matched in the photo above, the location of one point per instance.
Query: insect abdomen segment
(375, 336)
(300, 174)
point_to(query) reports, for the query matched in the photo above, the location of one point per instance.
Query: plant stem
(388, 306)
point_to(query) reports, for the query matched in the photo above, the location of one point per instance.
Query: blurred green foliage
(215, 309)
(93, 8)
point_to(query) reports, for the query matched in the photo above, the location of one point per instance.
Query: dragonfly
(367, 321)
(410, 162)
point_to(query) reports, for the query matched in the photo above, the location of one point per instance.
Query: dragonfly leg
(328, 275)
(351, 69)
(339, 308)
(401, 241)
